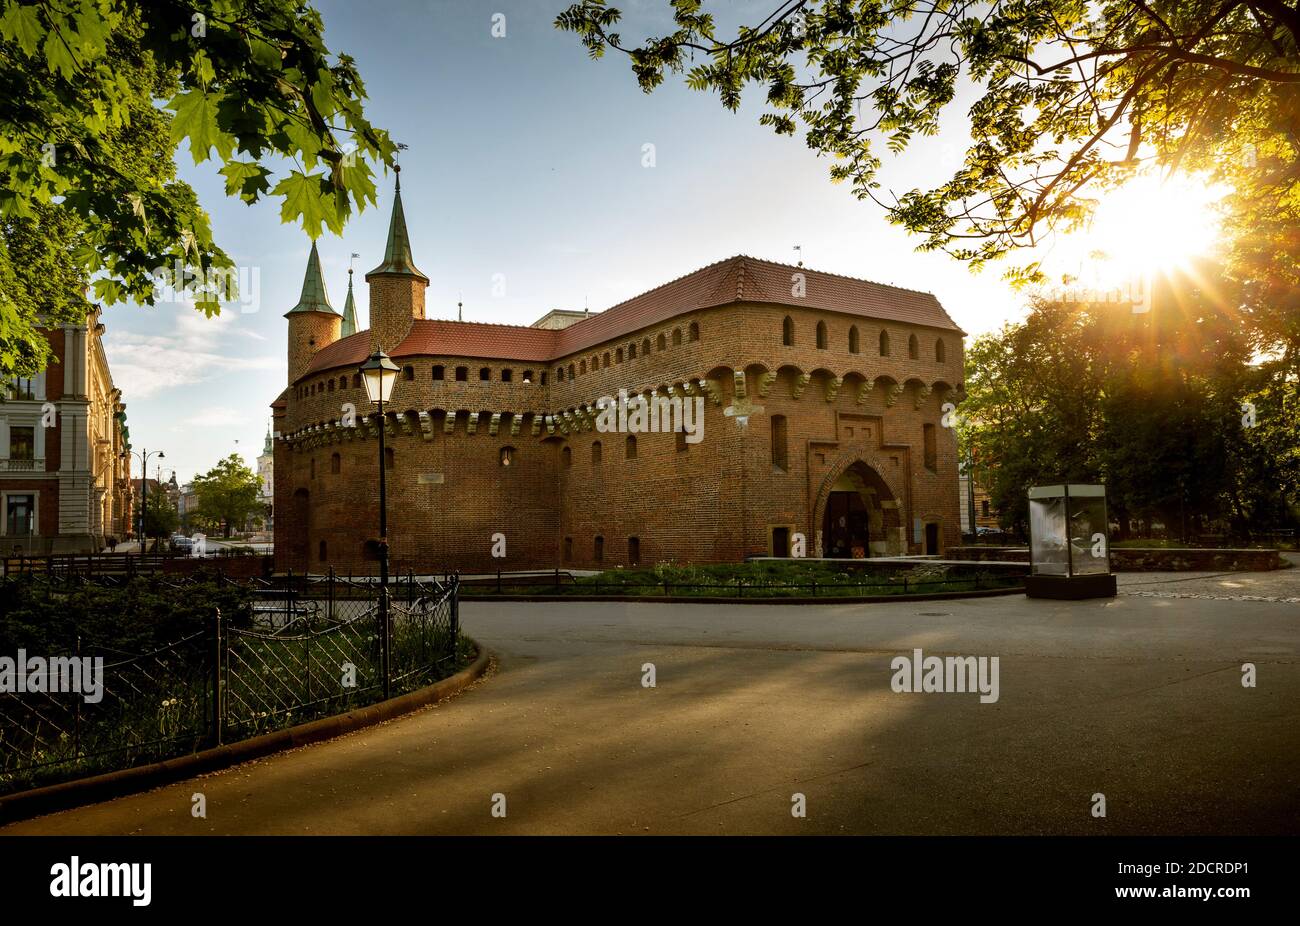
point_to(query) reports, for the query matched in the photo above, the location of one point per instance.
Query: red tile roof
(736, 279)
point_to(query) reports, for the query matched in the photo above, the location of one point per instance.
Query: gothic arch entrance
(298, 529)
(860, 516)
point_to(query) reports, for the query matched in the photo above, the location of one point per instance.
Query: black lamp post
(379, 373)
(144, 456)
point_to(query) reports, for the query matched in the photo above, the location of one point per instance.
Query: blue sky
(524, 168)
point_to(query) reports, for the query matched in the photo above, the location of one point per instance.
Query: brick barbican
(824, 416)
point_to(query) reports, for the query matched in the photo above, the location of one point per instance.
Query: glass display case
(1069, 544)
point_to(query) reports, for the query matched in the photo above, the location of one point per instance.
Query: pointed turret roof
(349, 312)
(268, 447)
(313, 298)
(397, 255)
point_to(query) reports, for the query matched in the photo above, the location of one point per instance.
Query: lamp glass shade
(379, 374)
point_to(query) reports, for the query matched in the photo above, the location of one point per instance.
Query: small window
(582, 367)
(439, 373)
(780, 455)
(559, 374)
(618, 355)
(662, 343)
(22, 443)
(630, 452)
(595, 453)
(390, 458)
(571, 369)
(822, 337)
(356, 380)
(484, 374)
(343, 382)
(462, 374)
(787, 332)
(336, 463)
(507, 456)
(408, 373)
(631, 352)
(604, 361)
(677, 337)
(567, 456)
(543, 377)
(884, 343)
(528, 377)
(598, 549)
(913, 349)
(693, 332)
(568, 549)
(940, 351)
(645, 347)
(853, 339)
(321, 552)
(633, 551)
(507, 375)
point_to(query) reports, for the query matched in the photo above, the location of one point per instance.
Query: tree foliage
(1164, 407)
(95, 95)
(160, 517)
(1071, 98)
(228, 493)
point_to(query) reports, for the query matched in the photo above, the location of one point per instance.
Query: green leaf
(59, 57)
(22, 24)
(196, 119)
(304, 201)
(246, 179)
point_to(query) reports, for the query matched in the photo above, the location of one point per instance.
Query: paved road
(1138, 698)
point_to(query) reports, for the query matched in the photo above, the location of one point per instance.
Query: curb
(68, 794)
(699, 599)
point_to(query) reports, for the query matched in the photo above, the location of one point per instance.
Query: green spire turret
(397, 255)
(349, 311)
(313, 298)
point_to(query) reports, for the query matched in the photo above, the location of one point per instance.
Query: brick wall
(714, 501)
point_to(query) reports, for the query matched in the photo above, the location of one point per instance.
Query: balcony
(21, 466)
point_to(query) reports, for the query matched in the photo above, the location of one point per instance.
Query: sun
(1146, 227)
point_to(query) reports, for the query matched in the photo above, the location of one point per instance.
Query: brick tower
(313, 323)
(396, 286)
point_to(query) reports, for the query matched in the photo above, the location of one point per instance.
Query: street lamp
(144, 456)
(379, 373)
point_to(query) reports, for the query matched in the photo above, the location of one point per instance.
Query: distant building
(64, 479)
(266, 471)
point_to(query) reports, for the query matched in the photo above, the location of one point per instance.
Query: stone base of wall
(1137, 559)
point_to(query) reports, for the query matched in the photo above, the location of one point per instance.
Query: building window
(567, 455)
(780, 456)
(462, 374)
(661, 342)
(693, 332)
(598, 549)
(931, 452)
(631, 352)
(630, 452)
(528, 377)
(571, 369)
(677, 337)
(343, 382)
(853, 340)
(507, 375)
(595, 453)
(913, 350)
(507, 456)
(633, 551)
(356, 380)
(390, 458)
(408, 373)
(822, 338)
(568, 549)
(604, 361)
(22, 443)
(20, 515)
(940, 351)
(21, 388)
(439, 373)
(682, 446)
(645, 347)
(484, 374)
(787, 332)
(336, 463)
(582, 366)
(618, 355)
(321, 552)
(543, 377)
(331, 383)
(559, 374)
(884, 343)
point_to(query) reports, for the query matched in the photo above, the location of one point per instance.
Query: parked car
(181, 544)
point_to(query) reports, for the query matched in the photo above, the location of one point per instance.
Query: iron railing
(314, 649)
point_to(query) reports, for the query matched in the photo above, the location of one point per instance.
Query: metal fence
(317, 646)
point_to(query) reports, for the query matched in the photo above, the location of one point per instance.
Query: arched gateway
(858, 515)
